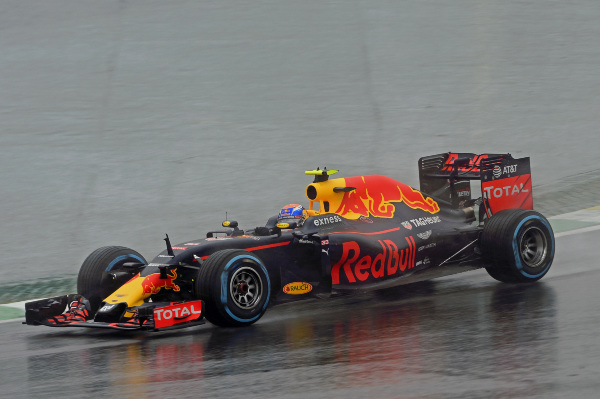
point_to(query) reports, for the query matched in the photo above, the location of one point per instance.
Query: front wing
(74, 311)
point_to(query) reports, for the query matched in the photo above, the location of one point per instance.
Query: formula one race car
(358, 233)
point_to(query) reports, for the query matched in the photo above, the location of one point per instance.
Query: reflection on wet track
(362, 344)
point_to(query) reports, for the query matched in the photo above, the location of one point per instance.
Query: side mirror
(230, 223)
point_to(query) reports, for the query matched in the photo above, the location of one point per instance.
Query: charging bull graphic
(152, 283)
(371, 195)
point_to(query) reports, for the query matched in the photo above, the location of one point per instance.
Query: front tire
(89, 281)
(235, 287)
(519, 246)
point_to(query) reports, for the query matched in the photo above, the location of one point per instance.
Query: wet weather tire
(518, 245)
(89, 281)
(235, 287)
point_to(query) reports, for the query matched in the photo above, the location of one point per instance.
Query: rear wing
(505, 181)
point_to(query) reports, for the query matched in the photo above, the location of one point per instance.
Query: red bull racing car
(358, 233)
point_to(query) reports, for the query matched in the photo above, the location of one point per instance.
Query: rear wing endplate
(505, 181)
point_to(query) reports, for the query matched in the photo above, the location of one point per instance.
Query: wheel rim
(246, 288)
(533, 247)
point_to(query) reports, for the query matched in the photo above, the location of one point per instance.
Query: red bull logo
(152, 283)
(374, 196)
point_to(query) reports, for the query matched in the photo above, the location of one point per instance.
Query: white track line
(578, 231)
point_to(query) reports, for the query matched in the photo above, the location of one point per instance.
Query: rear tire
(235, 287)
(89, 281)
(518, 245)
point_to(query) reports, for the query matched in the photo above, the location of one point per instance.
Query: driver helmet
(292, 213)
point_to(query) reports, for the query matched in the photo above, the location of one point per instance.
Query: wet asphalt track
(123, 120)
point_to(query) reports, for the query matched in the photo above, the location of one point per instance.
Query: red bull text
(389, 262)
(473, 165)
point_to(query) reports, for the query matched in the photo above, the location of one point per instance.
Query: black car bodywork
(361, 233)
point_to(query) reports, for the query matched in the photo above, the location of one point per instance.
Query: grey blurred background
(124, 120)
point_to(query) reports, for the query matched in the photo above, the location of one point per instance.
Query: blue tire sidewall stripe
(225, 281)
(516, 246)
(122, 258)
